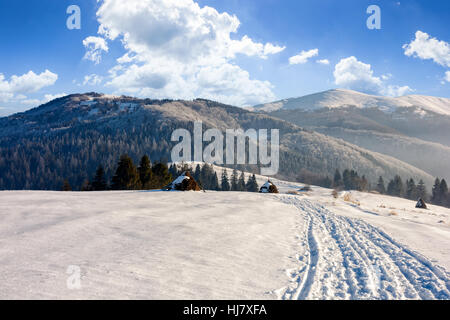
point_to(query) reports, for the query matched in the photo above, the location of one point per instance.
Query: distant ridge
(337, 98)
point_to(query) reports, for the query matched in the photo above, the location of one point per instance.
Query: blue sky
(187, 49)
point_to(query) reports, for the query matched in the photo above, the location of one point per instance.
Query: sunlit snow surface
(222, 245)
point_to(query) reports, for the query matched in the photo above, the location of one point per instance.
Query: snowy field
(222, 245)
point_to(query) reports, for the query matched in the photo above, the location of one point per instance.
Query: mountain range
(69, 137)
(414, 129)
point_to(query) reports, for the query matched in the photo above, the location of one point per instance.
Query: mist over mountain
(69, 137)
(414, 129)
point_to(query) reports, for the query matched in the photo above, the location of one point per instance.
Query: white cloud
(425, 47)
(353, 74)
(92, 80)
(323, 61)
(50, 97)
(303, 56)
(396, 91)
(37, 102)
(94, 47)
(16, 87)
(172, 44)
(447, 76)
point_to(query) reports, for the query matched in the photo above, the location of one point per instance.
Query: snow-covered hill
(341, 97)
(222, 245)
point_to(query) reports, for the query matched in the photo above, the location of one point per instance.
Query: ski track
(345, 258)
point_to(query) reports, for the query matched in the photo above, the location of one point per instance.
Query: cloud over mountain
(353, 74)
(171, 46)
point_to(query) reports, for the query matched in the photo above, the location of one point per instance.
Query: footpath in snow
(347, 258)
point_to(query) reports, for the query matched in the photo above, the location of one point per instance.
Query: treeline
(148, 176)
(410, 190)
(207, 178)
(350, 180)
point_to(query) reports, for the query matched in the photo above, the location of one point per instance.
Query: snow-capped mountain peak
(338, 98)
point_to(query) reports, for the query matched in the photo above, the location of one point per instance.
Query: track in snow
(348, 258)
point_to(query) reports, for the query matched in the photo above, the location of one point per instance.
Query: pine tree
(66, 186)
(436, 192)
(443, 193)
(126, 176)
(234, 181)
(241, 182)
(215, 183)
(337, 182)
(207, 177)
(411, 189)
(99, 183)
(347, 180)
(161, 175)
(395, 187)
(421, 191)
(252, 185)
(380, 186)
(145, 173)
(197, 173)
(225, 184)
(173, 170)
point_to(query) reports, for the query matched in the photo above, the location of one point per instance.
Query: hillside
(414, 129)
(69, 137)
(222, 245)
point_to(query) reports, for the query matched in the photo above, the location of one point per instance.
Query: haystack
(421, 204)
(268, 187)
(184, 182)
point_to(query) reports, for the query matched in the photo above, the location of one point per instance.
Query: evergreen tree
(395, 187)
(411, 189)
(443, 190)
(347, 180)
(207, 177)
(380, 186)
(126, 176)
(234, 181)
(337, 182)
(66, 186)
(421, 191)
(215, 183)
(241, 182)
(99, 183)
(161, 175)
(173, 170)
(145, 173)
(197, 173)
(225, 184)
(252, 185)
(436, 192)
